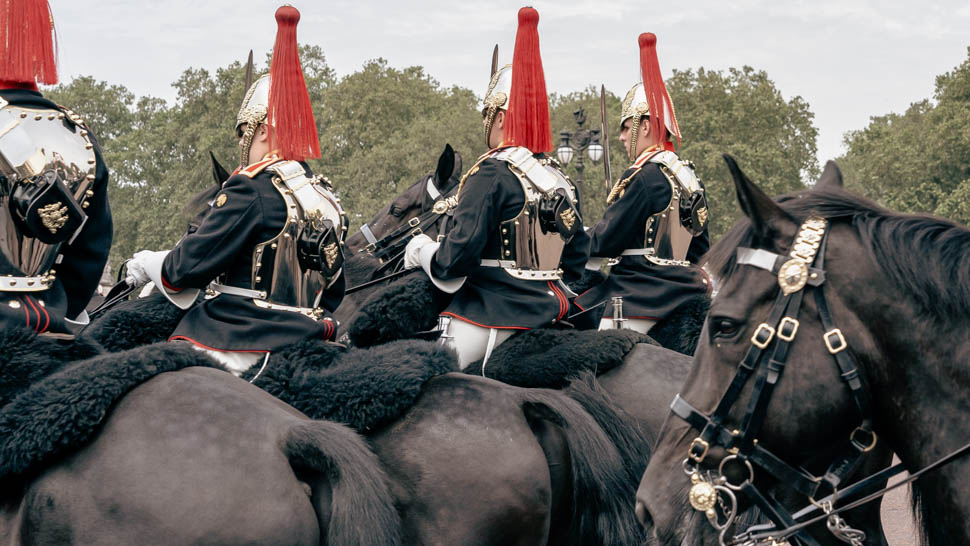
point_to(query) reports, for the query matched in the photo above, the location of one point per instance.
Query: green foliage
(381, 128)
(740, 112)
(918, 161)
(593, 187)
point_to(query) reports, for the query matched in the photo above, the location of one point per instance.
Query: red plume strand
(527, 121)
(653, 86)
(290, 112)
(27, 53)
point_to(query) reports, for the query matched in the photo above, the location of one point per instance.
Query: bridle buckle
(787, 329)
(704, 447)
(861, 446)
(414, 222)
(769, 334)
(832, 336)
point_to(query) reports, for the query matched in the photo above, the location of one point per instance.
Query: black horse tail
(602, 495)
(622, 430)
(350, 493)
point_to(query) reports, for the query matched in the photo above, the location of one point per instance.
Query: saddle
(551, 358)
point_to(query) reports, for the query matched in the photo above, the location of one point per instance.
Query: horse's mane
(925, 257)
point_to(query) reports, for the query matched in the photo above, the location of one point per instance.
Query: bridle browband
(765, 361)
(804, 266)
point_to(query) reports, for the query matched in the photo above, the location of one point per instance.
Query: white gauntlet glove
(413, 250)
(135, 272)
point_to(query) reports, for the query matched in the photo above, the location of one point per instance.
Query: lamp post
(574, 144)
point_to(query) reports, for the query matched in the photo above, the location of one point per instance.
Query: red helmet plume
(27, 43)
(527, 120)
(290, 113)
(653, 87)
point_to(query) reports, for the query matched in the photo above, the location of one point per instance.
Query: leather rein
(765, 361)
(388, 248)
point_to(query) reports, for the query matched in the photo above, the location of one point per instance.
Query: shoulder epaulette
(252, 170)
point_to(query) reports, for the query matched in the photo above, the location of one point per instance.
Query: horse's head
(770, 378)
(419, 198)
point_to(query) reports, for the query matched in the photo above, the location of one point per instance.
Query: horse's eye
(724, 328)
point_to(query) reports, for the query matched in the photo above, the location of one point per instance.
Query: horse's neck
(921, 404)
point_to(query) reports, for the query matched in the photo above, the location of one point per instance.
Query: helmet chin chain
(247, 144)
(634, 132)
(489, 121)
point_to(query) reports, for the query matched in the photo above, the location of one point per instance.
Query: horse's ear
(456, 172)
(767, 218)
(831, 177)
(218, 172)
(446, 166)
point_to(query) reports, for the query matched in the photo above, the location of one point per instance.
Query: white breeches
(471, 342)
(640, 325)
(235, 362)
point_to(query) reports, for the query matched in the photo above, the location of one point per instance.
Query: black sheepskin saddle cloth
(362, 388)
(549, 358)
(51, 403)
(134, 323)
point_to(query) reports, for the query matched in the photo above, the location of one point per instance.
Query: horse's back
(646, 383)
(466, 466)
(188, 457)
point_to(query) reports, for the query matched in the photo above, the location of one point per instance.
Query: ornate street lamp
(574, 144)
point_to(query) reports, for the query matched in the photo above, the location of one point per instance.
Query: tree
(561, 110)
(381, 128)
(740, 112)
(918, 161)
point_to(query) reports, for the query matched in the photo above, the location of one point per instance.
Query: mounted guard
(655, 226)
(269, 250)
(55, 223)
(518, 227)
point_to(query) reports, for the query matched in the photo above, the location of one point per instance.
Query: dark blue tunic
(490, 296)
(649, 291)
(251, 212)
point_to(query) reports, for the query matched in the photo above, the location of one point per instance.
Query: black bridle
(389, 249)
(765, 361)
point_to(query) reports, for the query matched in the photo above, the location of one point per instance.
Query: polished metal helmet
(635, 106)
(252, 114)
(496, 97)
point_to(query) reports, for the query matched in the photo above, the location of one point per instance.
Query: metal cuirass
(532, 243)
(47, 167)
(294, 268)
(669, 233)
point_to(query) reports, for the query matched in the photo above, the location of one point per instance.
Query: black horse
(898, 290)
(194, 455)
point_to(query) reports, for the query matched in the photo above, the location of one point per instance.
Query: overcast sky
(848, 59)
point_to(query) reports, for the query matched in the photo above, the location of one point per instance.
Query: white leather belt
(236, 291)
(25, 284)
(259, 298)
(648, 253)
(525, 274)
(314, 313)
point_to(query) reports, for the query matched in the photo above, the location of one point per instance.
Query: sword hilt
(618, 319)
